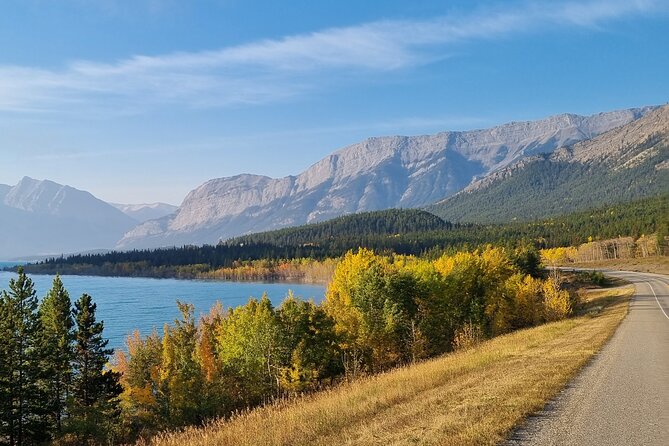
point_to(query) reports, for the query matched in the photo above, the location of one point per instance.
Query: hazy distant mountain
(626, 163)
(145, 212)
(378, 173)
(43, 217)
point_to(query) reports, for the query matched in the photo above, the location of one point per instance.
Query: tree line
(427, 235)
(53, 382)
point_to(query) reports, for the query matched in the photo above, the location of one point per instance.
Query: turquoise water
(126, 304)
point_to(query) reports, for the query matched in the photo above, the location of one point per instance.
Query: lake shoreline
(296, 271)
(199, 277)
(146, 303)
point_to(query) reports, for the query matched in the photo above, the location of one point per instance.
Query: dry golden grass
(469, 397)
(656, 264)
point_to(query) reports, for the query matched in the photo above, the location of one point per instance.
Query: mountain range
(520, 170)
(378, 173)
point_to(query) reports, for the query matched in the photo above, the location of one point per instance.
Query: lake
(129, 303)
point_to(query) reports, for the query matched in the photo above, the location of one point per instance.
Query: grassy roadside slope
(470, 397)
(656, 264)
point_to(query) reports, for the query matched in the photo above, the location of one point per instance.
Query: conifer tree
(56, 318)
(94, 402)
(21, 372)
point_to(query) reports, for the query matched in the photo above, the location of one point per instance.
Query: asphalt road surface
(622, 396)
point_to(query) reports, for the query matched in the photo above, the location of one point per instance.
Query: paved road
(622, 397)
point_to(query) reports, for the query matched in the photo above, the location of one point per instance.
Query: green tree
(248, 347)
(56, 317)
(22, 411)
(528, 260)
(94, 402)
(181, 373)
(403, 292)
(309, 345)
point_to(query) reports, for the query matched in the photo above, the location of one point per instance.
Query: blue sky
(143, 100)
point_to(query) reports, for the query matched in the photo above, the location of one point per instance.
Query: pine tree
(56, 317)
(94, 402)
(22, 410)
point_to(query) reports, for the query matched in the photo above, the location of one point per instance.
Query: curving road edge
(622, 396)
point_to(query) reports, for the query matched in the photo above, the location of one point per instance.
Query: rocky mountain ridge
(378, 173)
(627, 162)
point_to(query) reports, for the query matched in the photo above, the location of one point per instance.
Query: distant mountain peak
(44, 217)
(39, 196)
(145, 211)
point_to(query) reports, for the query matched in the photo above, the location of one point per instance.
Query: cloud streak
(273, 70)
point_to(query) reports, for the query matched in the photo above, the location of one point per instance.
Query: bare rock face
(378, 173)
(622, 147)
(46, 218)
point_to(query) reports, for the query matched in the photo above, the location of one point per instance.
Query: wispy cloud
(272, 70)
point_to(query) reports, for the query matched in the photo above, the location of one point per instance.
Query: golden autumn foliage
(597, 250)
(470, 397)
(379, 312)
(557, 256)
(558, 303)
(297, 270)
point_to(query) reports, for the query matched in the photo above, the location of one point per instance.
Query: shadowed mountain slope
(623, 164)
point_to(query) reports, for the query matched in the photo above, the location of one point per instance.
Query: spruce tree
(94, 400)
(21, 374)
(56, 316)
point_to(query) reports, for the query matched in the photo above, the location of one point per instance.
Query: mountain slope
(623, 164)
(144, 212)
(378, 173)
(43, 217)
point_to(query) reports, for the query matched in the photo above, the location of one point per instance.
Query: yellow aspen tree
(557, 303)
(339, 305)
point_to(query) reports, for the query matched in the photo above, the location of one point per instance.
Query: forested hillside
(546, 188)
(623, 164)
(388, 222)
(381, 231)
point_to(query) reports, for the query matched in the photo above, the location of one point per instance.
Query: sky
(140, 101)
